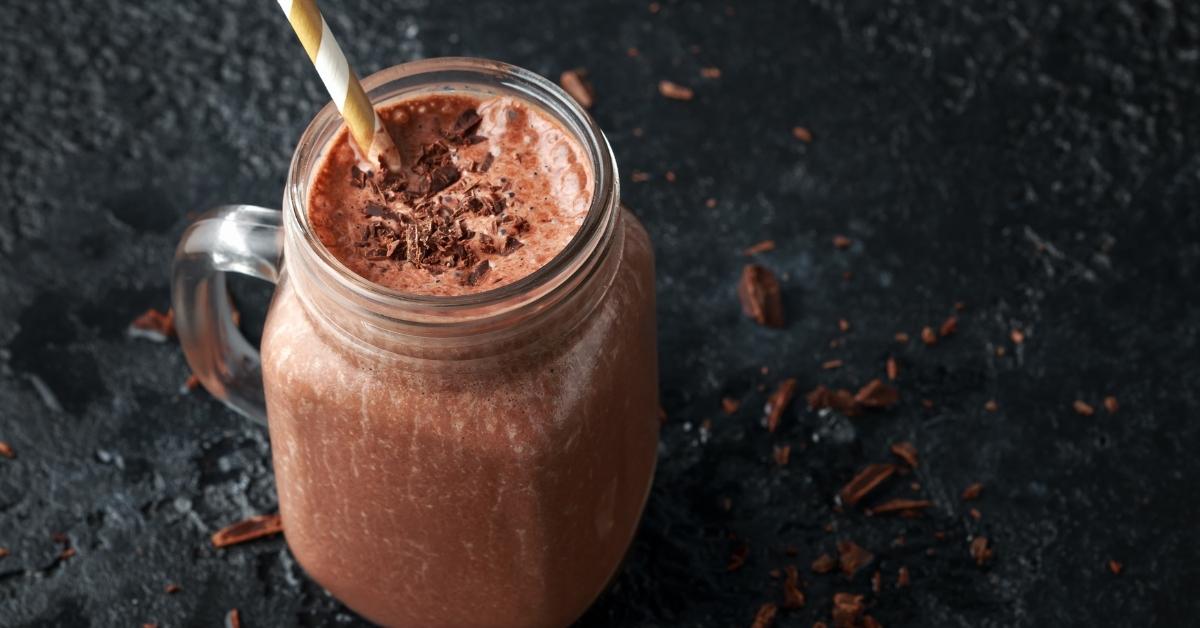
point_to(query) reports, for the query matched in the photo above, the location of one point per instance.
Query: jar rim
(532, 290)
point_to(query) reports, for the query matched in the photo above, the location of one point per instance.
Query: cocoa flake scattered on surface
(233, 619)
(781, 454)
(765, 617)
(793, 597)
(639, 177)
(901, 337)
(824, 564)
(730, 405)
(848, 608)
(675, 91)
(1083, 408)
(949, 326)
(877, 394)
(710, 72)
(761, 247)
(980, 551)
(903, 578)
(778, 402)
(877, 582)
(1111, 405)
(841, 242)
(893, 369)
(760, 296)
(928, 336)
(991, 405)
(829, 365)
(1017, 336)
(802, 134)
(1116, 567)
(575, 83)
(865, 481)
(852, 557)
(250, 529)
(6, 450)
(902, 506)
(738, 557)
(670, 176)
(975, 514)
(843, 325)
(907, 452)
(153, 325)
(3, 552)
(972, 492)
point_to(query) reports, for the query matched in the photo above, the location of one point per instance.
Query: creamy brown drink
(451, 462)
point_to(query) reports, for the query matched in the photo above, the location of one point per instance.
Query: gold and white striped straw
(365, 126)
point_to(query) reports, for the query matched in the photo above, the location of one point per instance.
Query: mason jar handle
(231, 238)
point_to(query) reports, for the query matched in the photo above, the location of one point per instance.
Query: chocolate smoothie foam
(489, 191)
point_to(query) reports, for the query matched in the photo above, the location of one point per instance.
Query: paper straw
(366, 128)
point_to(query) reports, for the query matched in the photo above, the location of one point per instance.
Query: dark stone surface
(1036, 160)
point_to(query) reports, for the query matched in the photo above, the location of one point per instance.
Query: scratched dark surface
(1036, 160)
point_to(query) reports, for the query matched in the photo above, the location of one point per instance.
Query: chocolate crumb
(760, 296)
(765, 617)
(927, 336)
(975, 514)
(893, 370)
(639, 177)
(761, 247)
(903, 578)
(876, 582)
(574, 83)
(675, 91)
(1017, 336)
(841, 242)
(829, 365)
(710, 73)
(1111, 405)
(654, 7)
(738, 558)
(3, 552)
(793, 597)
(972, 492)
(669, 176)
(710, 203)
(901, 337)
(233, 619)
(730, 405)
(949, 326)
(778, 402)
(802, 134)
(6, 450)
(171, 588)
(902, 506)
(907, 452)
(1083, 408)
(865, 481)
(1115, 567)
(877, 394)
(980, 550)
(824, 564)
(991, 405)
(153, 325)
(848, 608)
(781, 454)
(843, 325)
(255, 527)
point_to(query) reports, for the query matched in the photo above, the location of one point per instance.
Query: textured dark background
(1036, 160)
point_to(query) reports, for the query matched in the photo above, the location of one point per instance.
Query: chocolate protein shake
(464, 473)
(489, 191)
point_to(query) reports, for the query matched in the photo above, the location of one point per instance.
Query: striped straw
(365, 126)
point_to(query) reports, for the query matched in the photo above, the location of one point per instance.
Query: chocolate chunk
(848, 610)
(467, 122)
(441, 178)
(852, 557)
(824, 564)
(477, 273)
(511, 243)
(793, 597)
(760, 296)
(486, 164)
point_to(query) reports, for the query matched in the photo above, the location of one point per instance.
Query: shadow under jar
(476, 460)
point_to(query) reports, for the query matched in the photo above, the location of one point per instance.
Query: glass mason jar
(477, 460)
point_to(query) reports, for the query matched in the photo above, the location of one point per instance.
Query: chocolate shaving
(710, 73)
(907, 452)
(233, 619)
(949, 326)
(824, 564)
(893, 370)
(760, 296)
(781, 454)
(778, 402)
(171, 588)
(802, 134)
(250, 529)
(901, 337)
(876, 582)
(972, 492)
(738, 558)
(928, 336)
(153, 325)
(841, 242)
(1115, 567)
(730, 405)
(865, 481)
(877, 394)
(1111, 405)
(793, 597)
(980, 550)
(765, 617)
(639, 177)
(852, 557)
(761, 247)
(6, 450)
(575, 83)
(675, 91)
(3, 552)
(903, 578)
(991, 405)
(487, 162)
(1017, 336)
(1083, 408)
(900, 506)
(477, 273)
(830, 365)
(848, 608)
